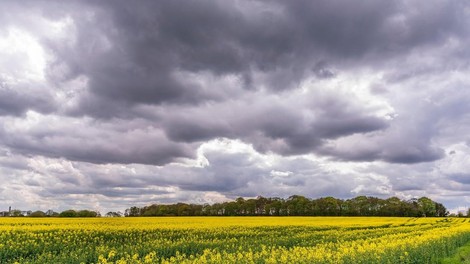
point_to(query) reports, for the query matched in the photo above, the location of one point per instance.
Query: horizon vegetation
(295, 205)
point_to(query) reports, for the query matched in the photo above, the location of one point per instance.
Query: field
(231, 240)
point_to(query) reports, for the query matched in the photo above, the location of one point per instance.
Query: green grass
(462, 255)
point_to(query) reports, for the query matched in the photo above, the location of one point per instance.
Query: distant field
(231, 240)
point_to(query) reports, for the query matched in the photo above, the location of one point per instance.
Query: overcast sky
(109, 104)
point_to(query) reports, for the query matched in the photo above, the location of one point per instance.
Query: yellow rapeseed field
(231, 240)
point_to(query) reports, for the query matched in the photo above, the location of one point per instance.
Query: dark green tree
(38, 214)
(427, 206)
(68, 213)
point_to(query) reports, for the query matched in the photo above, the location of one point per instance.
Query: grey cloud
(231, 174)
(322, 71)
(274, 124)
(409, 183)
(308, 135)
(421, 117)
(14, 103)
(386, 149)
(10, 161)
(16, 99)
(413, 155)
(347, 124)
(463, 178)
(94, 142)
(241, 174)
(107, 191)
(226, 172)
(190, 129)
(351, 29)
(132, 54)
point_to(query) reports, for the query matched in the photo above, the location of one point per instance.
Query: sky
(106, 105)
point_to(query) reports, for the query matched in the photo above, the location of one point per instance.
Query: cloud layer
(108, 104)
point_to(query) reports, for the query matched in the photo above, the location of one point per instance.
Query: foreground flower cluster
(231, 240)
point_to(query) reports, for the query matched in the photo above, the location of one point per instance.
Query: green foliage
(16, 213)
(297, 205)
(68, 213)
(113, 214)
(81, 213)
(462, 255)
(37, 214)
(87, 213)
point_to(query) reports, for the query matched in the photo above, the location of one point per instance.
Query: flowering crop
(231, 240)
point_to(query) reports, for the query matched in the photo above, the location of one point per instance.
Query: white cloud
(22, 58)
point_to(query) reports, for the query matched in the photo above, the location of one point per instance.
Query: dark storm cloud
(226, 172)
(400, 153)
(412, 132)
(15, 103)
(275, 124)
(107, 191)
(307, 141)
(413, 155)
(131, 53)
(353, 29)
(156, 54)
(134, 56)
(93, 142)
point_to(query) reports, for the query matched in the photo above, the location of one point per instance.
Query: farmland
(231, 239)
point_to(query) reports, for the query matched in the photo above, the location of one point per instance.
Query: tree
(328, 206)
(357, 206)
(241, 206)
(413, 208)
(250, 206)
(16, 213)
(441, 211)
(68, 213)
(260, 205)
(428, 207)
(113, 214)
(276, 206)
(298, 205)
(51, 213)
(231, 208)
(37, 214)
(183, 209)
(133, 211)
(87, 213)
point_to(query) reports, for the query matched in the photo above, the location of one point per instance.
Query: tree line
(50, 213)
(298, 205)
(295, 205)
